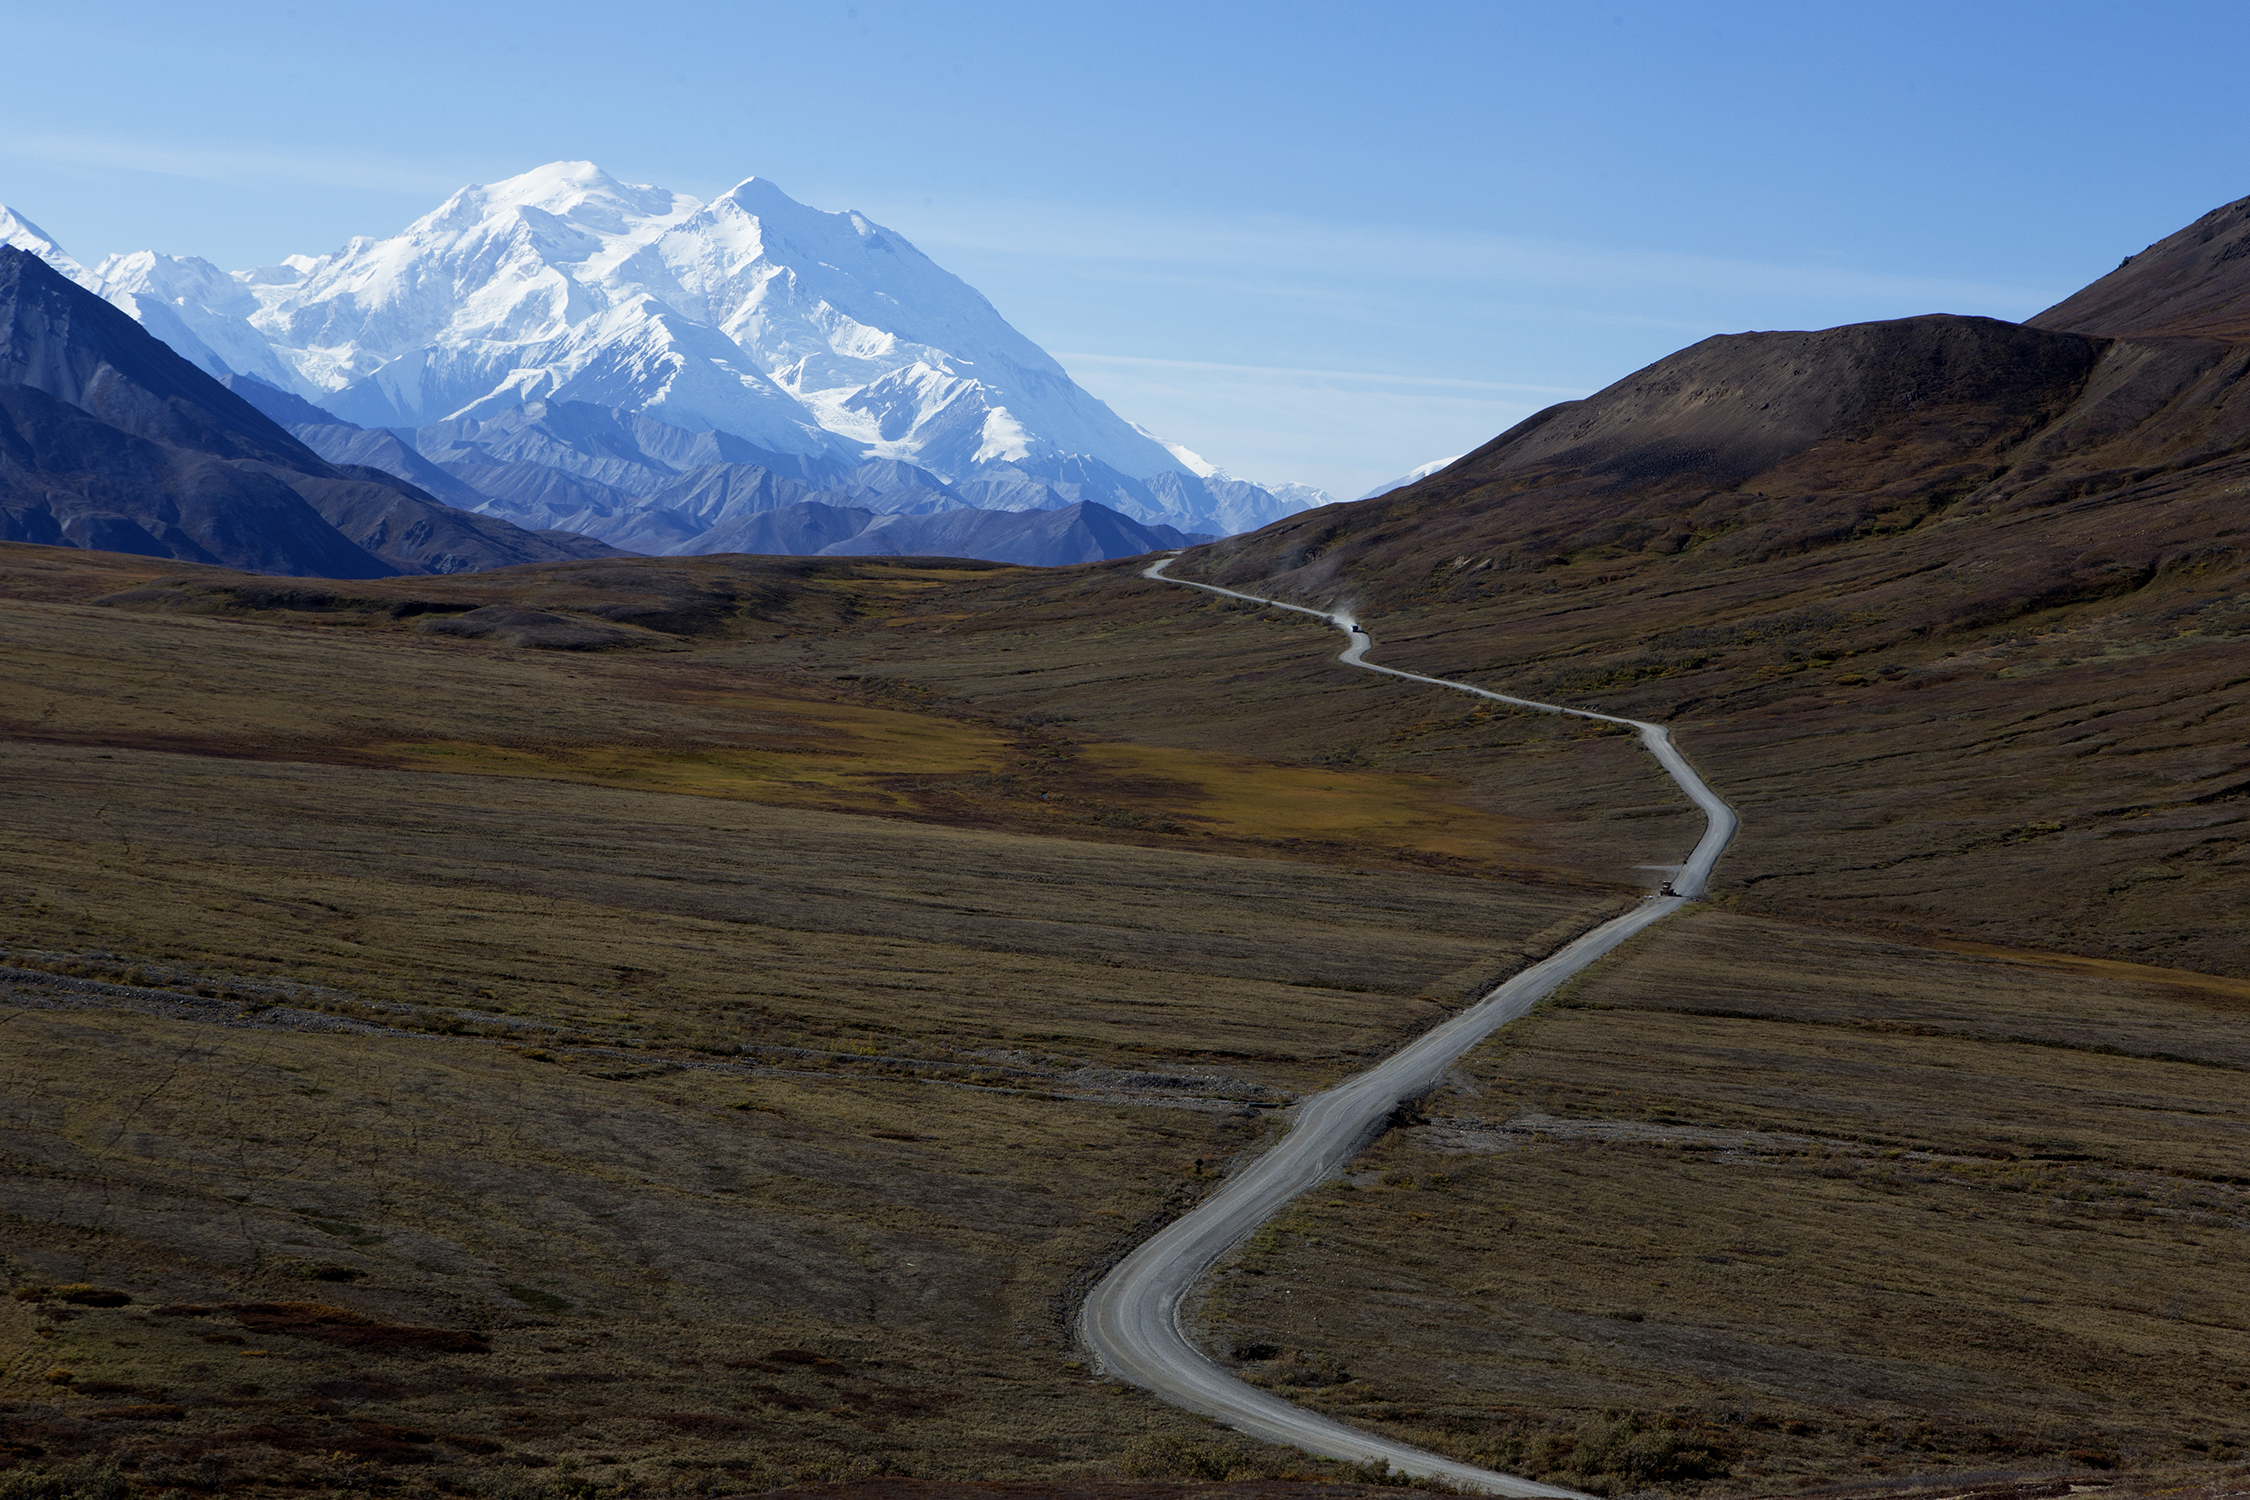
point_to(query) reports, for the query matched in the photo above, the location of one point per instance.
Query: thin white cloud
(1542, 311)
(1285, 373)
(1344, 431)
(240, 168)
(1270, 244)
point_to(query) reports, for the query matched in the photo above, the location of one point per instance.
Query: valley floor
(625, 1092)
(719, 1060)
(1789, 1205)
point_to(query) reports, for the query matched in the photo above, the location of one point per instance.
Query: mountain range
(819, 346)
(110, 440)
(645, 486)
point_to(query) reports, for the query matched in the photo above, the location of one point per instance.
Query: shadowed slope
(1739, 405)
(108, 439)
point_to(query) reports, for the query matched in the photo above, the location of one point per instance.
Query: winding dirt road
(1132, 1318)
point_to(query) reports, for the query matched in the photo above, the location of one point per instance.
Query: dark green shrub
(85, 1479)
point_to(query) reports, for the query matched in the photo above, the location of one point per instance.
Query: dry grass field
(1760, 1207)
(2073, 779)
(691, 1026)
(1917, 736)
(350, 682)
(430, 1059)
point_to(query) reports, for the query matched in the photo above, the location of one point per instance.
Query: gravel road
(1131, 1318)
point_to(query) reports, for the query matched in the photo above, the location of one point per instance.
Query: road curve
(1131, 1319)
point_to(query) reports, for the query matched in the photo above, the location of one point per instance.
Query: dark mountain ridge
(1756, 446)
(110, 440)
(75, 347)
(2195, 283)
(1082, 533)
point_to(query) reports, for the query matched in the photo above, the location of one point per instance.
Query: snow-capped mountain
(801, 336)
(20, 232)
(1411, 476)
(110, 440)
(1299, 496)
(800, 330)
(635, 483)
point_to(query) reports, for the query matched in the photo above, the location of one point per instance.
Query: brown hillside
(1906, 587)
(2193, 282)
(1755, 447)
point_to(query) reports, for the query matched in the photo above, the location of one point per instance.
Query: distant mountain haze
(644, 486)
(753, 319)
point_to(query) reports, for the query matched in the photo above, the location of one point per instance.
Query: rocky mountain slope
(110, 440)
(799, 332)
(646, 486)
(2194, 283)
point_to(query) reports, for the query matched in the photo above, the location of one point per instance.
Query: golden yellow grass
(817, 754)
(874, 760)
(2216, 990)
(87, 675)
(1352, 806)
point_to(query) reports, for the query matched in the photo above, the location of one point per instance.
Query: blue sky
(1312, 241)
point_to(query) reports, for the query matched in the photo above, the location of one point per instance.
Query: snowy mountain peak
(801, 330)
(577, 192)
(761, 195)
(1412, 476)
(20, 232)
(1186, 457)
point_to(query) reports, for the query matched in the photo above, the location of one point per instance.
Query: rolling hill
(1985, 584)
